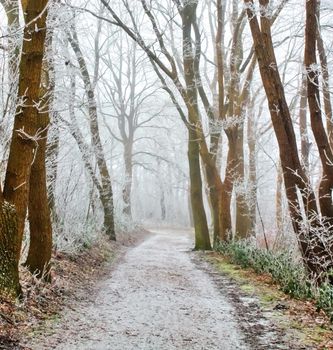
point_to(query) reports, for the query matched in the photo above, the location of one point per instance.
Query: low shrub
(284, 270)
(324, 299)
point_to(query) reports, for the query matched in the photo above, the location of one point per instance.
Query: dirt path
(157, 298)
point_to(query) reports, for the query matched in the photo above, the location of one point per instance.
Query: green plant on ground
(324, 299)
(284, 270)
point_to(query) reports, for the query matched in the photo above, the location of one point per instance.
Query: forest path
(156, 298)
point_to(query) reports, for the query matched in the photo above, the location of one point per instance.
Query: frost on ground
(157, 298)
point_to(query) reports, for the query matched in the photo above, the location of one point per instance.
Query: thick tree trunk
(316, 256)
(202, 240)
(237, 109)
(40, 249)
(319, 133)
(9, 250)
(243, 219)
(23, 143)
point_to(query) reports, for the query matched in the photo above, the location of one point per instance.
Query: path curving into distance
(155, 299)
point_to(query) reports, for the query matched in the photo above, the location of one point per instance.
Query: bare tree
(130, 93)
(106, 193)
(316, 254)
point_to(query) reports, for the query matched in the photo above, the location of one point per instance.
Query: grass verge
(280, 282)
(289, 274)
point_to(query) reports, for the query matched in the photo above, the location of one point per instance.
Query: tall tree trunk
(294, 176)
(189, 205)
(25, 134)
(325, 80)
(202, 240)
(40, 249)
(251, 140)
(127, 189)
(85, 154)
(9, 238)
(319, 133)
(237, 101)
(214, 207)
(305, 144)
(243, 219)
(279, 215)
(106, 196)
(52, 148)
(223, 198)
(162, 203)
(52, 153)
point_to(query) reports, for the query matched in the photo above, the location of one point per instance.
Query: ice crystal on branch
(261, 10)
(232, 122)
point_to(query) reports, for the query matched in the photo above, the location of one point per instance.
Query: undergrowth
(284, 270)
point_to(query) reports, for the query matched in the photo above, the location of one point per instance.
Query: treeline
(26, 191)
(227, 101)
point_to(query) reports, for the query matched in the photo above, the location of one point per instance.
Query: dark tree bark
(315, 254)
(319, 132)
(40, 249)
(9, 250)
(325, 80)
(23, 143)
(202, 240)
(199, 216)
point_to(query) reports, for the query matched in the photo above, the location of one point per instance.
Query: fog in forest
(133, 131)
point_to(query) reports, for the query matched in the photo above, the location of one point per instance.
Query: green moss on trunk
(9, 251)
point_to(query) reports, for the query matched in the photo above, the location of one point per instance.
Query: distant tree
(105, 186)
(129, 92)
(187, 92)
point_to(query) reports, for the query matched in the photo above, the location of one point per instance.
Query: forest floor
(74, 276)
(163, 296)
